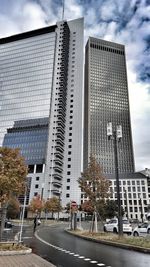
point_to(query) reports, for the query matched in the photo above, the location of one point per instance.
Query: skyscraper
(106, 100)
(41, 88)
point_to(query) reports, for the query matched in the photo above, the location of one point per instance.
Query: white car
(112, 226)
(142, 229)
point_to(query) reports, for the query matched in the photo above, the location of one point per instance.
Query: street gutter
(111, 243)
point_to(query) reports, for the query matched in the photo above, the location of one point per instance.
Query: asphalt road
(65, 250)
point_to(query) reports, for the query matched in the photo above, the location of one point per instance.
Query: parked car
(8, 225)
(134, 221)
(142, 229)
(112, 226)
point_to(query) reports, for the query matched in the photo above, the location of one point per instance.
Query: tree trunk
(71, 221)
(75, 221)
(92, 224)
(95, 222)
(3, 218)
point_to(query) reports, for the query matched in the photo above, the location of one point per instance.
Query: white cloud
(73, 10)
(107, 10)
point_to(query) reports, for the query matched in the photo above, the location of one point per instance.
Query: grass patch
(11, 247)
(143, 242)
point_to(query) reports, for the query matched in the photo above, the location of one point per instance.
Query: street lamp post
(116, 136)
(125, 192)
(23, 212)
(141, 208)
(59, 202)
(42, 191)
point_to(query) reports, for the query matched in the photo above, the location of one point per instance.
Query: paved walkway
(28, 260)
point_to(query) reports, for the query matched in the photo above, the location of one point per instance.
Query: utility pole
(116, 136)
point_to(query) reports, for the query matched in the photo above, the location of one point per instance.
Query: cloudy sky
(122, 21)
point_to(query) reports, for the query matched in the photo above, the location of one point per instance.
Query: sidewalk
(28, 260)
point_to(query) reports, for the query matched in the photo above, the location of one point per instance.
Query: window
(69, 166)
(68, 173)
(70, 146)
(69, 152)
(31, 168)
(35, 194)
(67, 195)
(69, 159)
(39, 168)
(37, 178)
(68, 187)
(36, 186)
(68, 180)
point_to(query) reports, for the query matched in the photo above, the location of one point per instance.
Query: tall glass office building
(41, 88)
(106, 100)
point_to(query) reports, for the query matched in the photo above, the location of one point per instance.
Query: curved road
(65, 250)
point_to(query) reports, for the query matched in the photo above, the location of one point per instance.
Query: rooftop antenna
(63, 6)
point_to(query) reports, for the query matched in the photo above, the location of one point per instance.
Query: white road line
(65, 251)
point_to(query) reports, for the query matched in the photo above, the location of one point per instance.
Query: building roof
(28, 34)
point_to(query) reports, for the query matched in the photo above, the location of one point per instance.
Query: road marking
(26, 237)
(67, 251)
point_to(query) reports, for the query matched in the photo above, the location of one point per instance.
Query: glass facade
(106, 100)
(26, 69)
(31, 137)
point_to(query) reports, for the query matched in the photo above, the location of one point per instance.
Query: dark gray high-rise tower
(106, 100)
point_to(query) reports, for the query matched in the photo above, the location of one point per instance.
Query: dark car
(8, 225)
(136, 221)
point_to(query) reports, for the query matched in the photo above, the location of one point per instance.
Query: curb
(114, 244)
(15, 252)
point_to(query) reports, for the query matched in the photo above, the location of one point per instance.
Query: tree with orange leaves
(36, 204)
(13, 172)
(95, 185)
